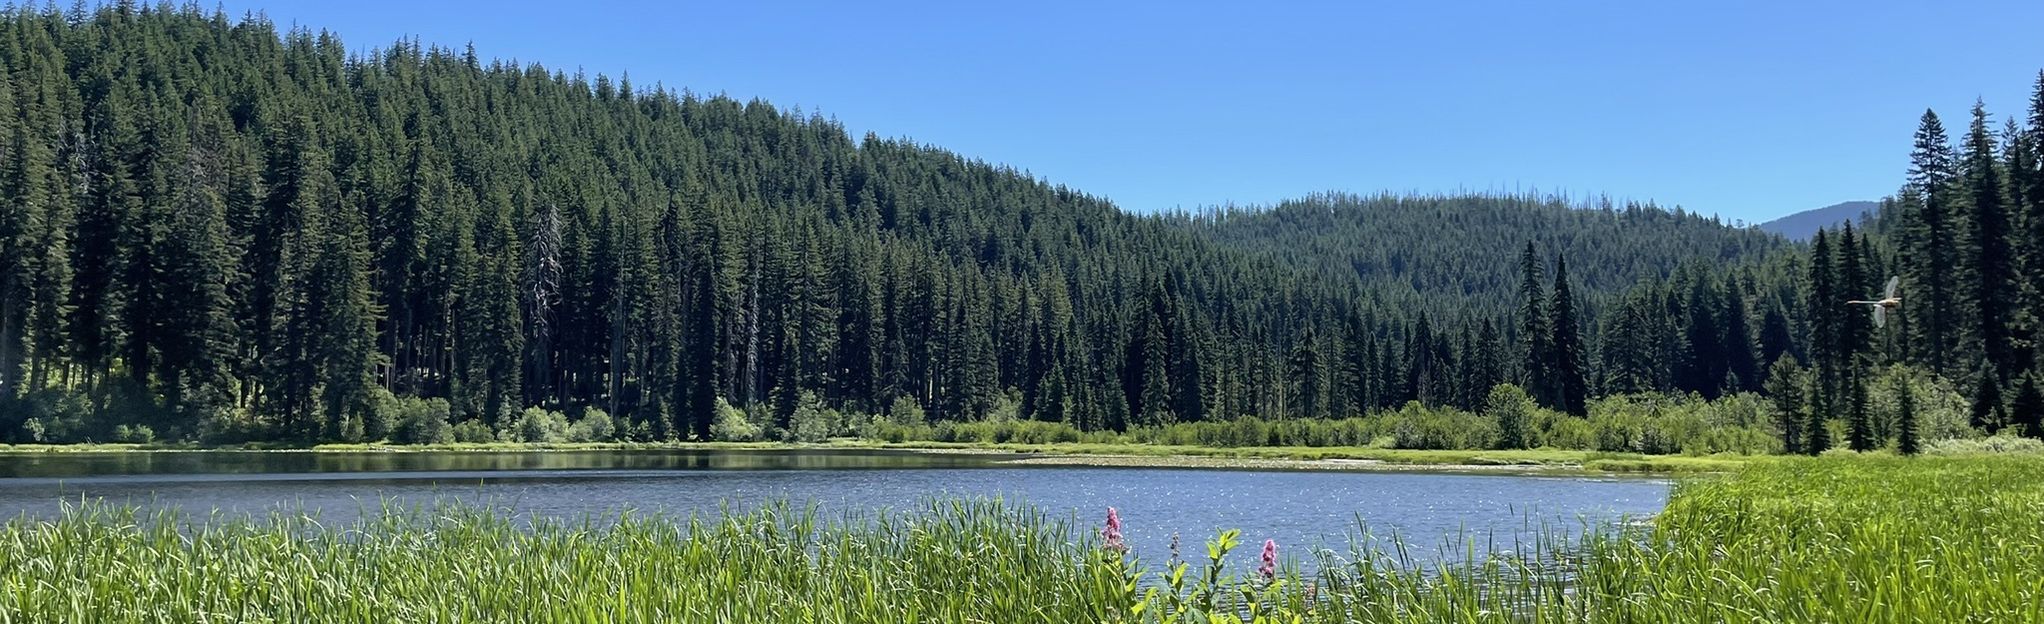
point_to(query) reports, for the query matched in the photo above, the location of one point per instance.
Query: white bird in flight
(1890, 299)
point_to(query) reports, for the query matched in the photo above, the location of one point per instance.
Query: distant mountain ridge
(1803, 225)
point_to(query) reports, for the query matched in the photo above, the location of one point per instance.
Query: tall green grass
(1834, 539)
(1840, 539)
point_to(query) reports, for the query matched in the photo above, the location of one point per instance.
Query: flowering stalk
(1110, 535)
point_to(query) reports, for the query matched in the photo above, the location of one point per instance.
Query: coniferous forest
(212, 230)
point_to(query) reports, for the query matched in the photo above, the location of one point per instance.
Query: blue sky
(1745, 109)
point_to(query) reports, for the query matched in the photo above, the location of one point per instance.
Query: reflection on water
(257, 462)
(1300, 509)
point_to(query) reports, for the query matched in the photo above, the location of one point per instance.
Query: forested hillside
(223, 233)
(217, 232)
(1453, 253)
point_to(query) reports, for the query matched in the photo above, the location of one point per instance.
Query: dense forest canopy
(220, 232)
(1451, 254)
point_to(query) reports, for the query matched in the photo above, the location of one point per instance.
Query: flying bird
(1890, 299)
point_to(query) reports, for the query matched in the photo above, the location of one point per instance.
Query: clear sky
(1745, 109)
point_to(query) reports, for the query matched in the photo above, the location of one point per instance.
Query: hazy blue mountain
(1801, 225)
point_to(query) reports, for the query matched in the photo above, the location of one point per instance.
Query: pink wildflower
(1110, 536)
(1269, 569)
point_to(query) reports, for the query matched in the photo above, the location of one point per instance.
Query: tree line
(222, 232)
(1965, 238)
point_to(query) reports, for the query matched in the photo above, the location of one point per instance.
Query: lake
(1301, 509)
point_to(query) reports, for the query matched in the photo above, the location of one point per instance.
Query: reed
(1834, 539)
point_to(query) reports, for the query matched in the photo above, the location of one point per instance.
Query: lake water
(1300, 509)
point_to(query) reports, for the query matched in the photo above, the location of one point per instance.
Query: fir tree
(1571, 387)
(1987, 413)
(1929, 239)
(1815, 426)
(1785, 387)
(1735, 345)
(1536, 360)
(1306, 367)
(1987, 266)
(1858, 423)
(1825, 322)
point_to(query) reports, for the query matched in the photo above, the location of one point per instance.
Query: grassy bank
(1841, 539)
(1837, 539)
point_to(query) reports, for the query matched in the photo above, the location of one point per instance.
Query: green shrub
(880, 429)
(731, 424)
(473, 431)
(50, 416)
(812, 421)
(1002, 432)
(538, 425)
(422, 421)
(1007, 407)
(1512, 409)
(138, 434)
(229, 426)
(2004, 442)
(1419, 427)
(907, 412)
(595, 425)
(1942, 413)
(381, 413)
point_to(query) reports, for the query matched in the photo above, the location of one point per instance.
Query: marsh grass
(1834, 539)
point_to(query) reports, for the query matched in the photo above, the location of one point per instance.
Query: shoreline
(1532, 462)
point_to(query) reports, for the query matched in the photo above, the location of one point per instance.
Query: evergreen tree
(345, 335)
(1987, 266)
(1853, 332)
(1149, 365)
(1308, 370)
(2026, 412)
(1703, 367)
(1357, 364)
(1535, 354)
(197, 321)
(1816, 429)
(1987, 413)
(543, 279)
(1487, 360)
(1571, 388)
(1775, 336)
(14, 244)
(1825, 327)
(1786, 388)
(1929, 239)
(1859, 426)
(2026, 179)
(1742, 371)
